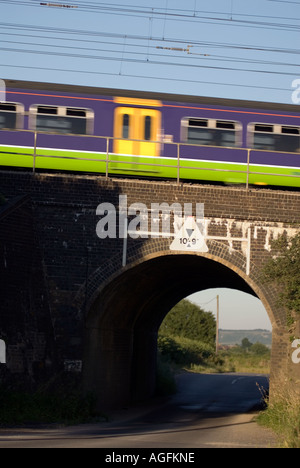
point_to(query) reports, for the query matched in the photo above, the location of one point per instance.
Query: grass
(229, 362)
(239, 360)
(226, 362)
(283, 417)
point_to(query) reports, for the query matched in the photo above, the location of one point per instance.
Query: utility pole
(217, 325)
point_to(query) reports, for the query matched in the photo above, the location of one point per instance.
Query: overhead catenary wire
(196, 56)
(79, 33)
(150, 49)
(145, 60)
(285, 1)
(173, 13)
(141, 38)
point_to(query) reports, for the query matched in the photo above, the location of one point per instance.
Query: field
(201, 357)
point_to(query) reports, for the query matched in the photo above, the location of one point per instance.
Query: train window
(225, 125)
(148, 128)
(274, 138)
(47, 110)
(76, 112)
(11, 115)
(210, 132)
(61, 120)
(126, 126)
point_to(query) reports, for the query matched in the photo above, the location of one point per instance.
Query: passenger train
(148, 135)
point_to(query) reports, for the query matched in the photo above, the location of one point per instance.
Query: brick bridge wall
(25, 321)
(84, 307)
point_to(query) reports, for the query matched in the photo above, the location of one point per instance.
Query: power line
(178, 15)
(206, 303)
(145, 60)
(285, 1)
(158, 11)
(140, 46)
(143, 49)
(139, 38)
(195, 56)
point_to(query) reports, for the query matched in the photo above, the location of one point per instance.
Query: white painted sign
(189, 238)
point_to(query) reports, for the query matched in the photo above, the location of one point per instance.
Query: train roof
(182, 98)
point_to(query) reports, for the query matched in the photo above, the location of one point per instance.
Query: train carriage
(114, 132)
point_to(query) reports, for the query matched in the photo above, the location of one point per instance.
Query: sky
(226, 48)
(223, 48)
(237, 310)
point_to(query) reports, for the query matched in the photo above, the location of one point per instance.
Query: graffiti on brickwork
(269, 232)
(73, 365)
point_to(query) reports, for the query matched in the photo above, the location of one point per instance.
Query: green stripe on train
(147, 167)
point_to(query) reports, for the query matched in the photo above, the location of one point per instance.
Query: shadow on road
(208, 411)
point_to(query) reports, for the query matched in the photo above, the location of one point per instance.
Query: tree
(246, 344)
(285, 271)
(190, 321)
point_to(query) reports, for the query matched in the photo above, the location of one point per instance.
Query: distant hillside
(232, 337)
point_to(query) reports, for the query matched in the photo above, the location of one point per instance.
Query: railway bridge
(90, 267)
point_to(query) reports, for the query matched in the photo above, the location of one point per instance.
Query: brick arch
(218, 252)
(63, 223)
(124, 313)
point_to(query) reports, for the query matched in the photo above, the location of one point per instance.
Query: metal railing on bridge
(111, 159)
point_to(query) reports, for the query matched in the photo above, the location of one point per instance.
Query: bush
(183, 351)
(21, 408)
(59, 401)
(259, 349)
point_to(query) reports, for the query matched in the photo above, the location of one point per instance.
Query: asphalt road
(209, 411)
